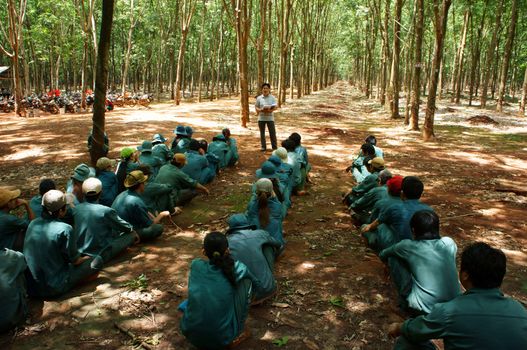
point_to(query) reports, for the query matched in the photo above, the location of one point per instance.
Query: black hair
(194, 145)
(486, 266)
(289, 145)
(215, 245)
(145, 168)
(296, 138)
(384, 176)
(371, 140)
(365, 161)
(226, 132)
(135, 187)
(425, 225)
(92, 198)
(412, 187)
(204, 144)
(45, 186)
(266, 84)
(367, 149)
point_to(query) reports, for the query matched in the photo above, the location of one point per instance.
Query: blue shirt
(13, 305)
(220, 150)
(50, 249)
(131, 208)
(10, 227)
(196, 164)
(276, 216)
(110, 187)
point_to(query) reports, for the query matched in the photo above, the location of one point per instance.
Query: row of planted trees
(471, 49)
(201, 49)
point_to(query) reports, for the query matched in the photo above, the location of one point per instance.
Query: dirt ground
(333, 293)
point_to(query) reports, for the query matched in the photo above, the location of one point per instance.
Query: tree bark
(487, 70)
(459, 75)
(440, 24)
(395, 79)
(416, 84)
(186, 17)
(507, 55)
(101, 80)
(128, 48)
(524, 95)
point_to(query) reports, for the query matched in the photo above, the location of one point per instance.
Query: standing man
(265, 106)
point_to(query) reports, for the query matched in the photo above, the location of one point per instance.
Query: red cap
(394, 185)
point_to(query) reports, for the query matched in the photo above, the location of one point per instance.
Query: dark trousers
(272, 133)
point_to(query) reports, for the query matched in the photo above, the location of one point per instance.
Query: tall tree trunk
(458, 85)
(395, 79)
(186, 17)
(385, 52)
(201, 55)
(524, 95)
(488, 67)
(101, 81)
(507, 55)
(476, 56)
(128, 48)
(261, 42)
(416, 84)
(440, 24)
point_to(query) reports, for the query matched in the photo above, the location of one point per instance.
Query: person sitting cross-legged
(36, 201)
(13, 307)
(256, 249)
(98, 228)
(110, 184)
(427, 271)
(482, 318)
(55, 264)
(197, 165)
(358, 167)
(219, 294)
(131, 207)
(160, 150)
(232, 155)
(13, 228)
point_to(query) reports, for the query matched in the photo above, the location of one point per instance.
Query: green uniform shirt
(13, 305)
(96, 226)
(481, 319)
(132, 208)
(210, 319)
(50, 247)
(170, 174)
(10, 227)
(370, 198)
(432, 264)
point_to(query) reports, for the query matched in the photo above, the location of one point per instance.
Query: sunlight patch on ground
(470, 157)
(33, 152)
(517, 257)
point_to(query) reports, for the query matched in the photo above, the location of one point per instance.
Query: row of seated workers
(405, 234)
(58, 240)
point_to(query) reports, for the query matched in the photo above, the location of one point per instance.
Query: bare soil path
(333, 292)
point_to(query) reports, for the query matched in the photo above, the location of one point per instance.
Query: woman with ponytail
(219, 294)
(265, 211)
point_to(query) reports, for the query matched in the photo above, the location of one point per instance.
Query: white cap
(53, 200)
(92, 186)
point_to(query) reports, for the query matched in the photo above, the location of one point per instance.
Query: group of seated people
(239, 271)
(65, 238)
(405, 234)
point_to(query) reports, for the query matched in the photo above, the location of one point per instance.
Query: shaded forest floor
(333, 293)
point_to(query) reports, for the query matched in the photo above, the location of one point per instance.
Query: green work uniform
(36, 205)
(147, 158)
(183, 186)
(50, 249)
(162, 152)
(100, 231)
(11, 228)
(158, 197)
(131, 207)
(481, 319)
(220, 149)
(216, 311)
(13, 305)
(363, 206)
(430, 271)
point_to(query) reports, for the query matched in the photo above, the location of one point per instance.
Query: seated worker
(13, 308)
(197, 165)
(180, 143)
(13, 228)
(220, 149)
(374, 167)
(50, 248)
(284, 170)
(127, 164)
(157, 197)
(305, 166)
(98, 228)
(257, 250)
(268, 171)
(189, 131)
(232, 155)
(36, 201)
(373, 141)
(361, 209)
(74, 185)
(214, 161)
(110, 185)
(219, 294)
(146, 157)
(105, 147)
(293, 160)
(358, 167)
(131, 208)
(482, 318)
(160, 149)
(283, 175)
(393, 223)
(265, 211)
(184, 188)
(393, 188)
(426, 272)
